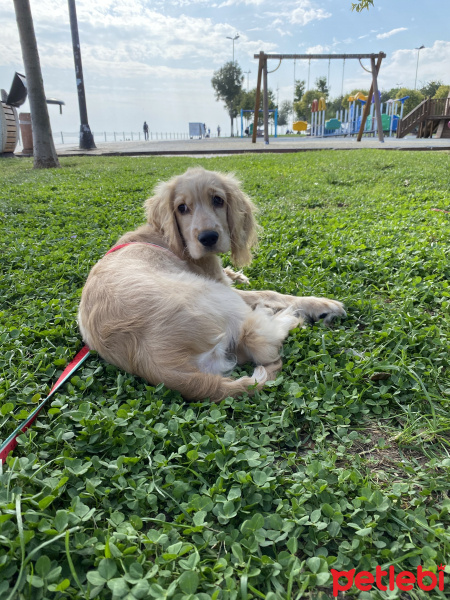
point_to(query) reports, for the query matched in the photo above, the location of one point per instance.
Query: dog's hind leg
(262, 335)
(200, 386)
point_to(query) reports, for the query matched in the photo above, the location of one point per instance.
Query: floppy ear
(160, 213)
(241, 222)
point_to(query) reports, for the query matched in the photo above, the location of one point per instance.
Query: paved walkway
(214, 146)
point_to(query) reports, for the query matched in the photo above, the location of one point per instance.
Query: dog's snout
(208, 238)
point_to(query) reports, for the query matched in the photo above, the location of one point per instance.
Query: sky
(153, 60)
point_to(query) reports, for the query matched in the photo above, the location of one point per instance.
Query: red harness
(119, 246)
(11, 442)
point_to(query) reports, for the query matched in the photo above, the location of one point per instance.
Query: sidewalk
(214, 146)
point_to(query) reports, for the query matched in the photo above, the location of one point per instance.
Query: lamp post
(232, 39)
(417, 66)
(247, 73)
(86, 137)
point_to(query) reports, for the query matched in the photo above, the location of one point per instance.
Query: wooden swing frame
(262, 75)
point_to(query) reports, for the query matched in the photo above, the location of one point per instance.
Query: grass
(122, 490)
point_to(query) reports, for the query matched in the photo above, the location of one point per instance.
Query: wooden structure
(431, 116)
(9, 130)
(262, 75)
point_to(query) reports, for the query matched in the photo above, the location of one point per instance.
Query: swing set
(375, 63)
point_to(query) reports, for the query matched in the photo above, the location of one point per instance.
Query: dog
(160, 305)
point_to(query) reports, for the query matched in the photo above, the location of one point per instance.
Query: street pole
(86, 137)
(232, 39)
(248, 73)
(417, 66)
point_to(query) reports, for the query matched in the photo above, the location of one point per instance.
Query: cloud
(319, 49)
(247, 2)
(121, 32)
(305, 12)
(302, 13)
(150, 57)
(382, 36)
(154, 59)
(283, 32)
(400, 66)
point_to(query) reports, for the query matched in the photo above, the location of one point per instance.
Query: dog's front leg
(309, 307)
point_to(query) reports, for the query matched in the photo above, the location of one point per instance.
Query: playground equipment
(431, 117)
(348, 121)
(300, 126)
(389, 118)
(375, 60)
(252, 125)
(318, 108)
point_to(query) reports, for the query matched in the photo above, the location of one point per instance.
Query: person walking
(218, 130)
(145, 128)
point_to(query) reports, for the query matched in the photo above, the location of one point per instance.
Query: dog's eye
(183, 209)
(217, 201)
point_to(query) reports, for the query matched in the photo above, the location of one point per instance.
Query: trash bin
(26, 132)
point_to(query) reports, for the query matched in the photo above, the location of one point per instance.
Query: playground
(365, 115)
(348, 122)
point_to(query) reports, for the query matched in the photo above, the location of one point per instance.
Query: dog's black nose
(208, 238)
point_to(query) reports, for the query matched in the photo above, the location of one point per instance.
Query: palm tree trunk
(43, 147)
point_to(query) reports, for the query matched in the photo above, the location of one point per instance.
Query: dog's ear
(241, 222)
(160, 213)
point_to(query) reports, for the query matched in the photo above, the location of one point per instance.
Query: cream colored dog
(162, 307)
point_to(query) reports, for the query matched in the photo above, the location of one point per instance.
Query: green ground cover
(121, 490)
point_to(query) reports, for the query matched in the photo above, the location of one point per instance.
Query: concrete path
(215, 146)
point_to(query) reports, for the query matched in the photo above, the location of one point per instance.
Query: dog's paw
(236, 277)
(313, 309)
(241, 278)
(260, 374)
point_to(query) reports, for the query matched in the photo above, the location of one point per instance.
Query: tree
(430, 88)
(302, 109)
(389, 94)
(44, 153)
(247, 101)
(334, 105)
(322, 87)
(415, 98)
(361, 5)
(442, 92)
(284, 112)
(227, 83)
(299, 89)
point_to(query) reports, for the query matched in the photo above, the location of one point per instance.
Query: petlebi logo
(403, 581)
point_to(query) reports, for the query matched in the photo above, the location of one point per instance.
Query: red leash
(11, 442)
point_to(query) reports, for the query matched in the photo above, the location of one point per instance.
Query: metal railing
(63, 137)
